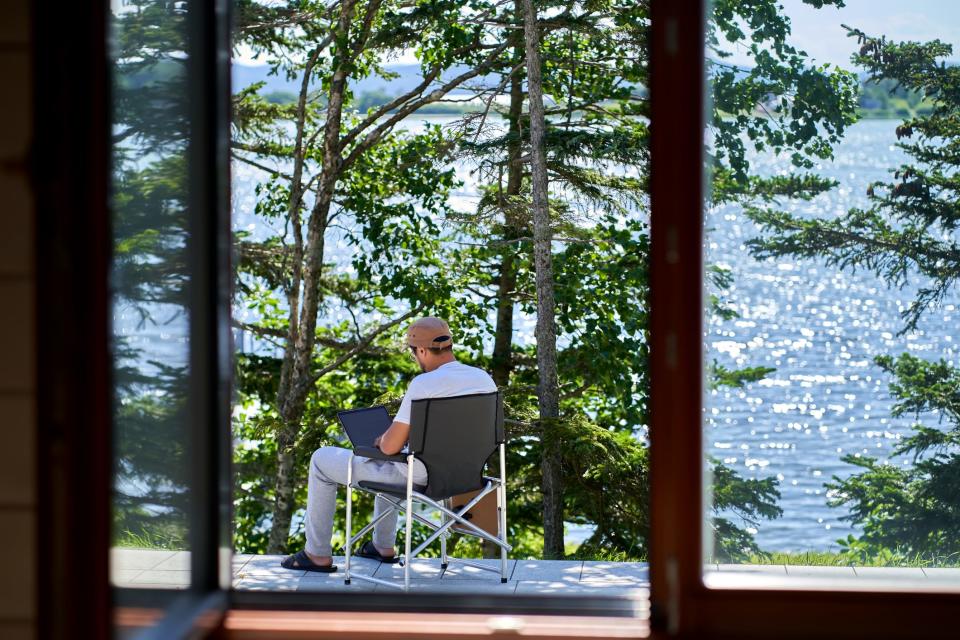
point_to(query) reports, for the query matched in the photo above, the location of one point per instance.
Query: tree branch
(362, 344)
(371, 138)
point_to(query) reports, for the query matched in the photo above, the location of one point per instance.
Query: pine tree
(909, 230)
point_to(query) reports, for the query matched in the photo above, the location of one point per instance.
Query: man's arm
(393, 439)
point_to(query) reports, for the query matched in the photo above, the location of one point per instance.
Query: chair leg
(348, 537)
(443, 543)
(409, 533)
(502, 512)
(501, 531)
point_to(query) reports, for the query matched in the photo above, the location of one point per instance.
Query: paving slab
(180, 578)
(890, 573)
(130, 558)
(268, 583)
(457, 571)
(361, 566)
(599, 581)
(942, 574)
(179, 561)
(264, 566)
(239, 560)
(143, 568)
(548, 570)
(333, 582)
(452, 586)
(633, 572)
(419, 568)
(268, 565)
(562, 587)
(826, 573)
(777, 569)
(121, 577)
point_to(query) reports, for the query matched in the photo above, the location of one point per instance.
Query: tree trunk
(296, 378)
(549, 395)
(501, 363)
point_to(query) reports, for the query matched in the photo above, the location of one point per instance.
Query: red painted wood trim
(676, 304)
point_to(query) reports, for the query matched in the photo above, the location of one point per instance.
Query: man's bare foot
(386, 552)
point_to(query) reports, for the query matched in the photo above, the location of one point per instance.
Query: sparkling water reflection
(820, 328)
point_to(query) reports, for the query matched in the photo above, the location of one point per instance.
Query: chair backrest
(454, 437)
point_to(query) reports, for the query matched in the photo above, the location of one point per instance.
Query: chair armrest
(376, 454)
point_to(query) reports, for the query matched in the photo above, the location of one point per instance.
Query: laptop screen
(364, 425)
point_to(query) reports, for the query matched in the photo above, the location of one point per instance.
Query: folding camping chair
(453, 437)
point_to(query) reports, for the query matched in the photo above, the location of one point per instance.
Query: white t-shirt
(450, 379)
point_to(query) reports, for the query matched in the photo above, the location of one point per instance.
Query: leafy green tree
(594, 70)
(594, 73)
(915, 510)
(907, 231)
(339, 176)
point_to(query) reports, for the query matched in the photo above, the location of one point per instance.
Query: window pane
(831, 423)
(429, 214)
(149, 281)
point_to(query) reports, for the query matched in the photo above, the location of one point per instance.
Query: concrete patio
(151, 568)
(146, 568)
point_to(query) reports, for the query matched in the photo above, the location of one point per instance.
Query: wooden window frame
(680, 601)
(70, 176)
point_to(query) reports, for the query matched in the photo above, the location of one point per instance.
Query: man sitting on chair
(431, 345)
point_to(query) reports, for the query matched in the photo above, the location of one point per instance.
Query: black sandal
(367, 550)
(300, 561)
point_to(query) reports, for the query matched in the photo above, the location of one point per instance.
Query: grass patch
(830, 559)
(577, 551)
(146, 539)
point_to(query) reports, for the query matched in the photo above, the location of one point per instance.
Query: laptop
(364, 425)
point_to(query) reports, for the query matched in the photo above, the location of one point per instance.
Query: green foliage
(597, 153)
(910, 508)
(152, 535)
(909, 227)
(883, 558)
(909, 230)
(393, 203)
(780, 103)
(887, 98)
(722, 376)
(749, 500)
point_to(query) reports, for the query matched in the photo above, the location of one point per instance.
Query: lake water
(818, 327)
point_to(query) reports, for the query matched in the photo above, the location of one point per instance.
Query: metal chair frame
(448, 518)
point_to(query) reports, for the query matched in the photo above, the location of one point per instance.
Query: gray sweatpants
(328, 468)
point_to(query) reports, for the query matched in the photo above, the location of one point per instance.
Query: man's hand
(393, 439)
(376, 442)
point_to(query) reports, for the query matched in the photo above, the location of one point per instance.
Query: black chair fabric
(454, 437)
(398, 490)
(376, 454)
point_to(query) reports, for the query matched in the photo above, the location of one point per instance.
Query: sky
(818, 31)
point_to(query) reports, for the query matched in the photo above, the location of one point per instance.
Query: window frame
(68, 166)
(680, 601)
(71, 174)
